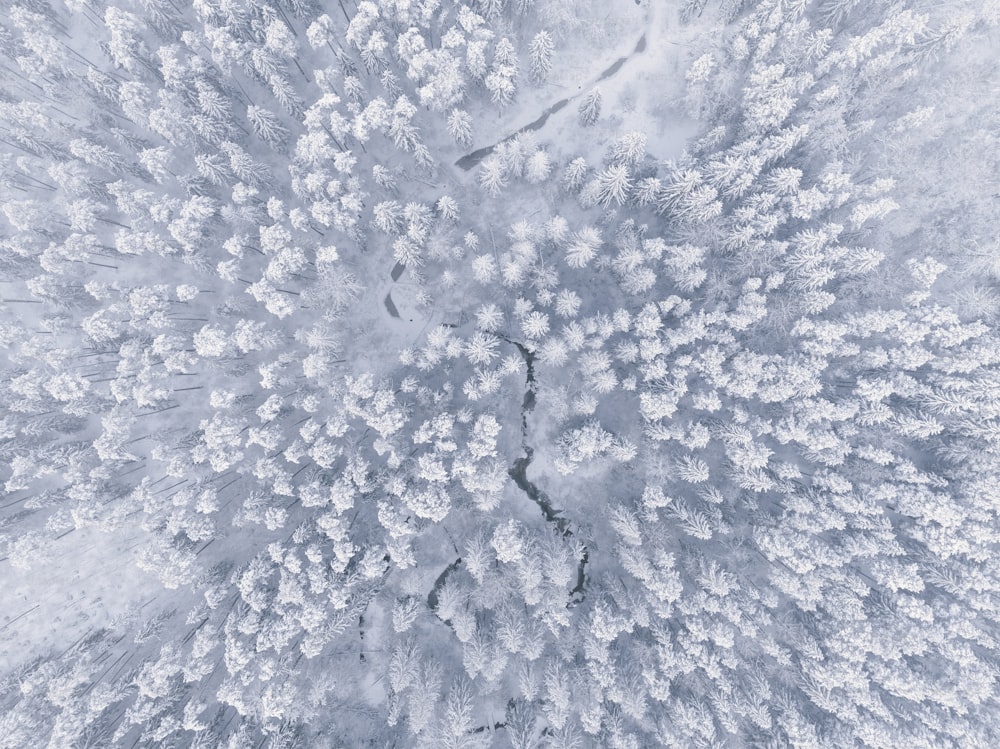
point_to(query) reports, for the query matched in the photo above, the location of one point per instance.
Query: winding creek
(472, 159)
(519, 473)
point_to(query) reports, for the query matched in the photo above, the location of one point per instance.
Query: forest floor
(90, 581)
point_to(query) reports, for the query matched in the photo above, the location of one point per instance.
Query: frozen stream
(519, 471)
(472, 159)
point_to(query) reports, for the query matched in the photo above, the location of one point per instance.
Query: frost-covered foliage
(317, 431)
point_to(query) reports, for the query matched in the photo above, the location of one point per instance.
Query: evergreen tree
(614, 184)
(460, 127)
(590, 108)
(541, 50)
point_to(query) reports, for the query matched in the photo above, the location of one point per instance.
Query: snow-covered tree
(541, 50)
(590, 107)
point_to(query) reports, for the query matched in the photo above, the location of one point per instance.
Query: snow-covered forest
(527, 374)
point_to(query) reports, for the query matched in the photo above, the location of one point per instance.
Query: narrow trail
(519, 473)
(472, 159)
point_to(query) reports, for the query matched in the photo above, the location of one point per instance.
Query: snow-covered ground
(88, 581)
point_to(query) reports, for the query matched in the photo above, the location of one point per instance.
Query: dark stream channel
(519, 472)
(472, 159)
